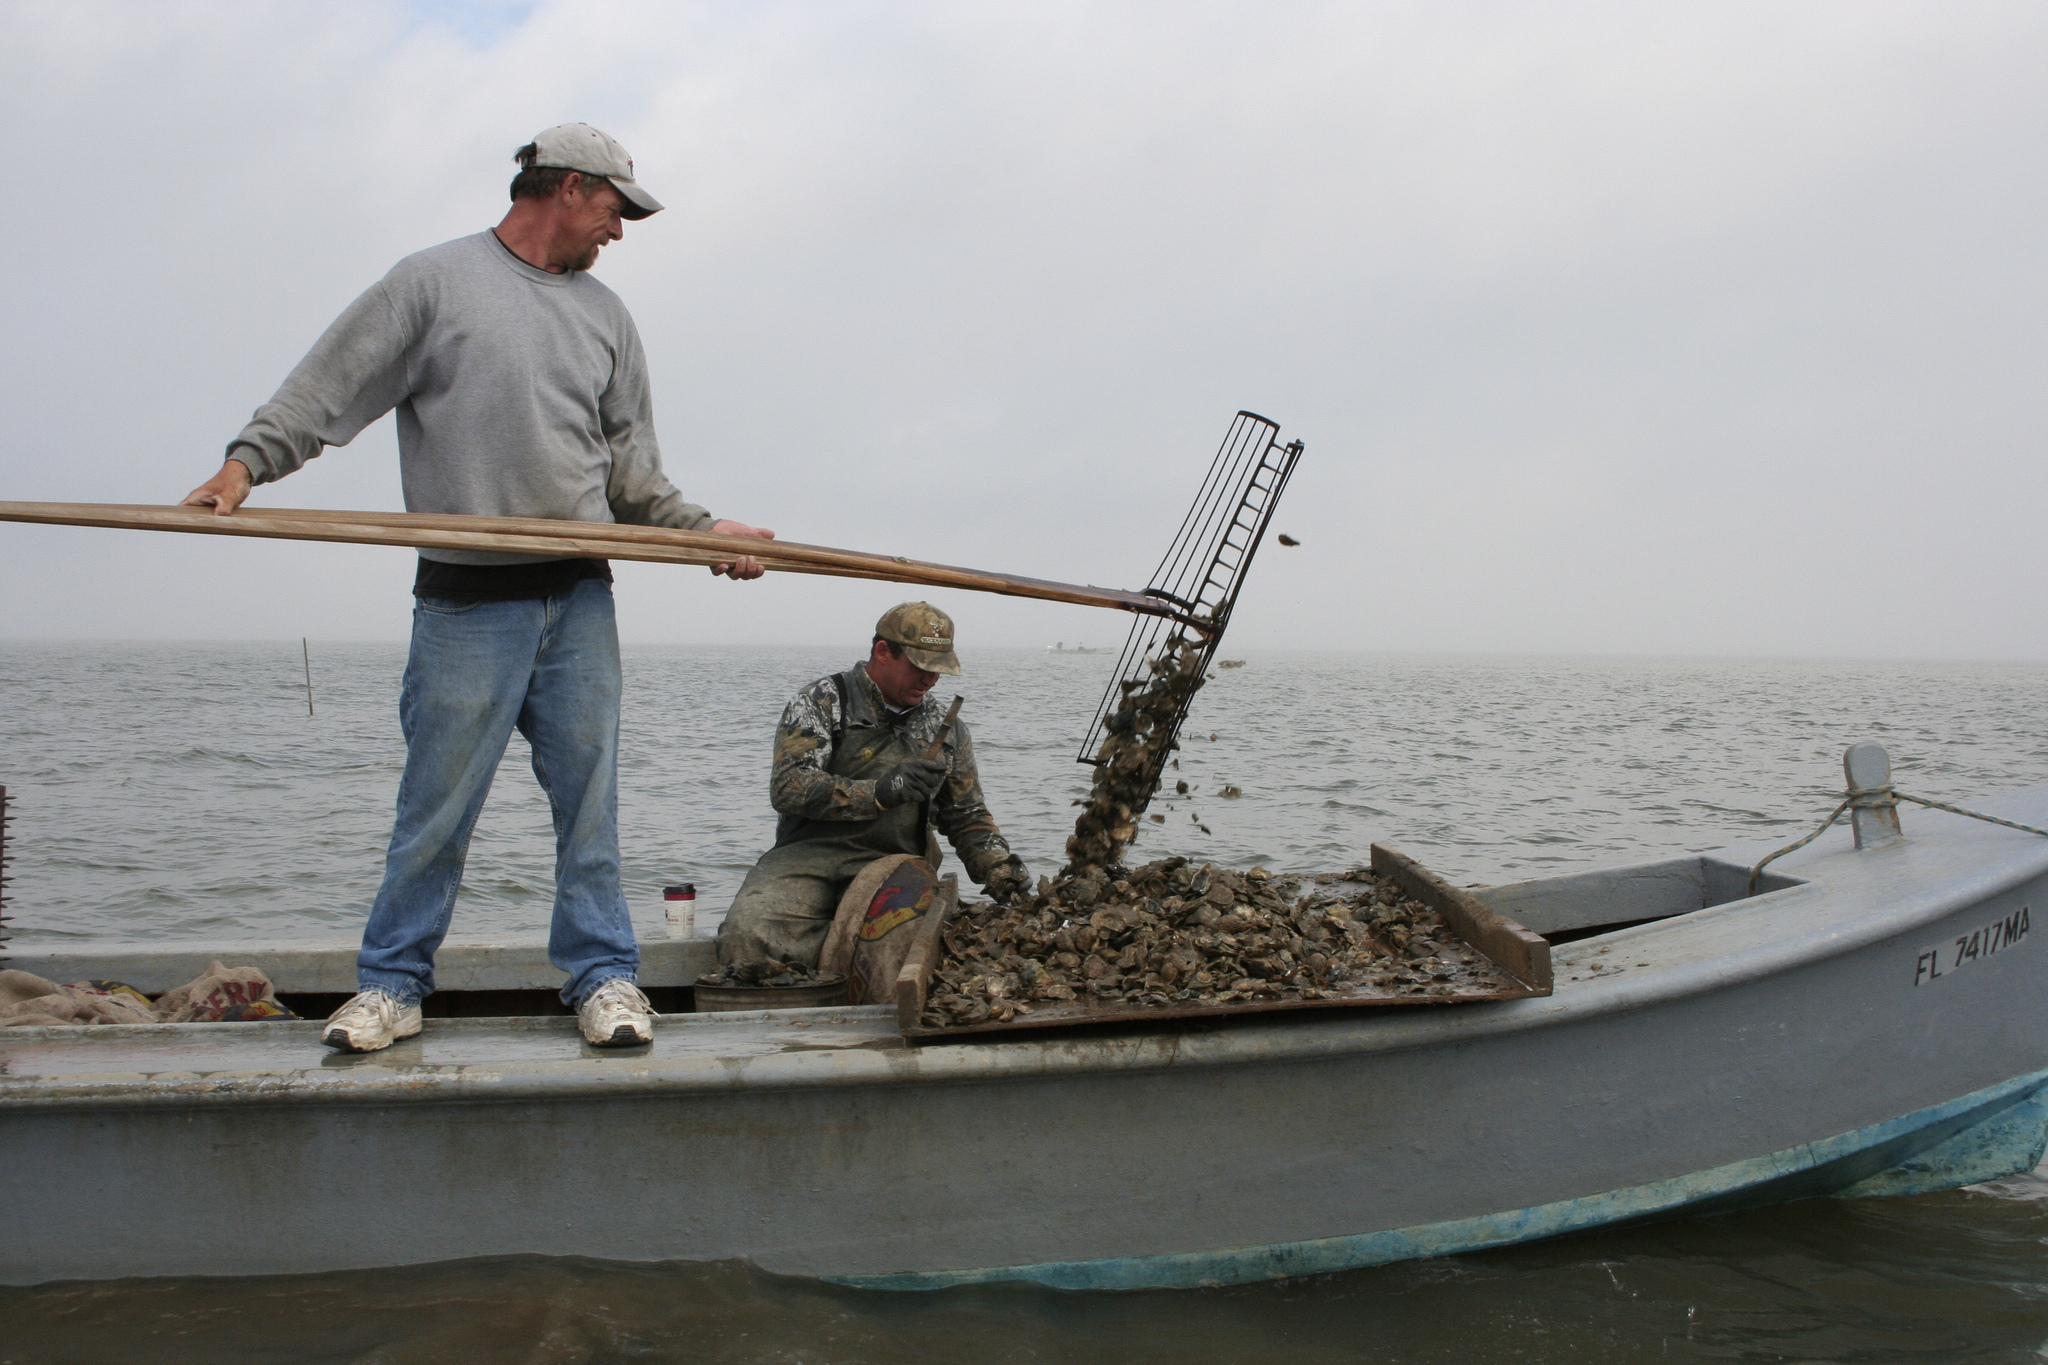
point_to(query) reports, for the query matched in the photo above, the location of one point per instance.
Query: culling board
(1514, 964)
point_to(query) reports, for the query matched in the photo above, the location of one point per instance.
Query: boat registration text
(1994, 937)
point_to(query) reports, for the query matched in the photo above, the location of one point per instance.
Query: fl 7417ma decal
(1964, 949)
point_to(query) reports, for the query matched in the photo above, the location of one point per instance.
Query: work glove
(912, 781)
(1008, 880)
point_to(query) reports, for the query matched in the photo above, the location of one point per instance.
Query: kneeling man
(851, 784)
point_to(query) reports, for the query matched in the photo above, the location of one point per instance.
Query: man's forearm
(354, 374)
(812, 794)
(973, 832)
(982, 853)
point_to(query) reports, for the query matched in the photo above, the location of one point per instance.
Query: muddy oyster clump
(768, 972)
(1138, 737)
(1177, 933)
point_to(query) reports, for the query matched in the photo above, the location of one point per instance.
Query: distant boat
(1061, 648)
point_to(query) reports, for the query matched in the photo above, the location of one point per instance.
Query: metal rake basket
(1204, 567)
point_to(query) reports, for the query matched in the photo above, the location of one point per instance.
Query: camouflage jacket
(804, 786)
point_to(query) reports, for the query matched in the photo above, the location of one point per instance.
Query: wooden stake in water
(5, 862)
(307, 652)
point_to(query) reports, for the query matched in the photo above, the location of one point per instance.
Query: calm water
(182, 792)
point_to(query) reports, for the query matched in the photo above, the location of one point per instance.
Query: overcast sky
(1711, 328)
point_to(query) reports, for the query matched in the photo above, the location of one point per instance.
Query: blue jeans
(477, 670)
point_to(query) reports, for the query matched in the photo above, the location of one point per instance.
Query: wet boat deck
(103, 1054)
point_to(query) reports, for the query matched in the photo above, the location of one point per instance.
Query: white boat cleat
(371, 1020)
(616, 1014)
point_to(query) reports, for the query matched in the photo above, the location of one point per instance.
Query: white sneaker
(372, 1020)
(616, 1015)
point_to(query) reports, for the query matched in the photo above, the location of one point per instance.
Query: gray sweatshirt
(519, 393)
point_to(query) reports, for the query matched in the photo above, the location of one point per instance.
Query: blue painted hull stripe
(1241, 1265)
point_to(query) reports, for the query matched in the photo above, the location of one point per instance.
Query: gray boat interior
(480, 978)
(1607, 900)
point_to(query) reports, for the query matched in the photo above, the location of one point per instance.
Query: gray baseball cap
(580, 147)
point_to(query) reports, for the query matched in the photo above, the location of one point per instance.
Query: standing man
(521, 390)
(852, 784)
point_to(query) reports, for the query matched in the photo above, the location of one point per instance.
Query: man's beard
(587, 259)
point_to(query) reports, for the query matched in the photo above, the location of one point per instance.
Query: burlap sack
(26, 999)
(221, 994)
(110, 1002)
(20, 987)
(44, 1013)
(877, 921)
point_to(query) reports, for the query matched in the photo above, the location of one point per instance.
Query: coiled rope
(1875, 798)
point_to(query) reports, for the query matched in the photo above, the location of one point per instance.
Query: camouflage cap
(926, 634)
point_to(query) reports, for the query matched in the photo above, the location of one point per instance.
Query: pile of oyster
(1138, 737)
(1174, 933)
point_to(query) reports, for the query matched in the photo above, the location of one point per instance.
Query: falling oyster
(1138, 735)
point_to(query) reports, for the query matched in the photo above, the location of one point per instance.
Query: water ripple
(166, 791)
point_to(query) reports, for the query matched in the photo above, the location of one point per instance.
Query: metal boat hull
(1781, 1046)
